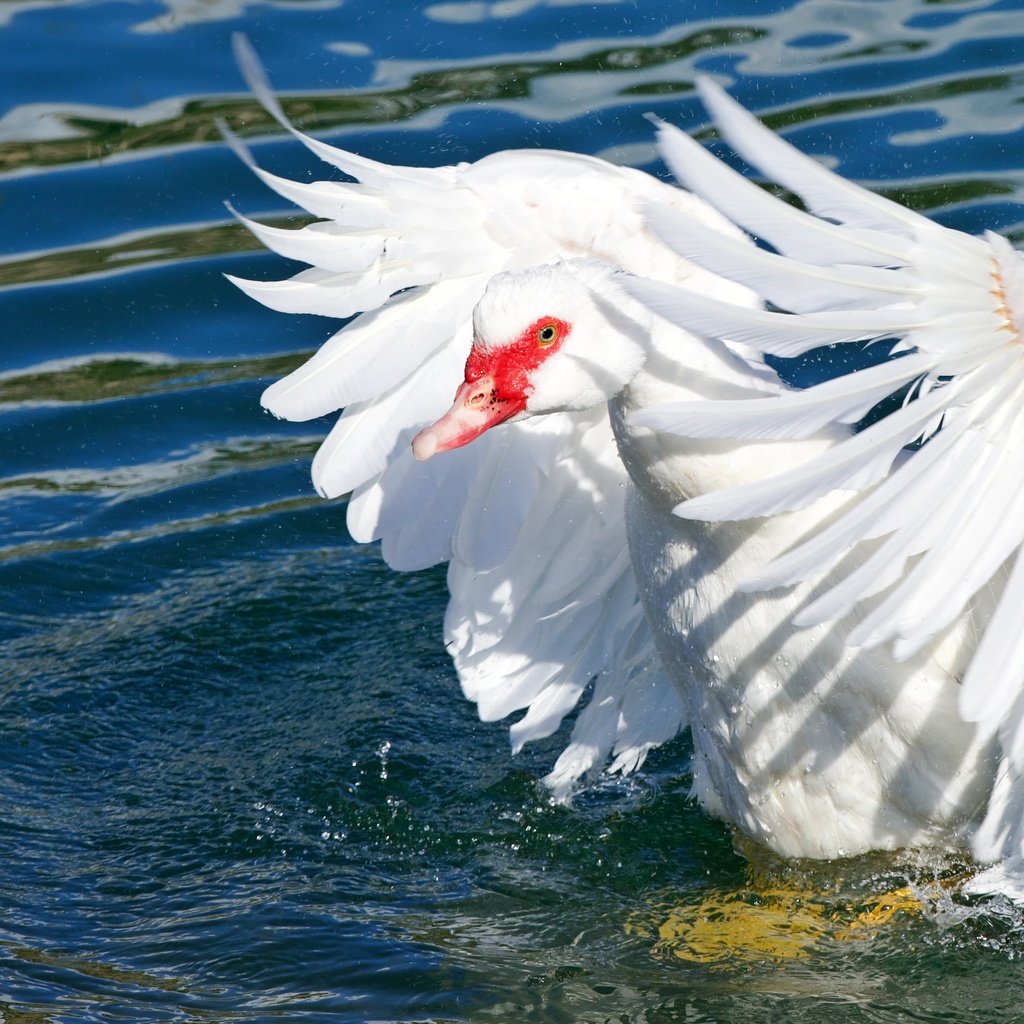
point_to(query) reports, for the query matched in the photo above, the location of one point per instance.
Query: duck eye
(547, 335)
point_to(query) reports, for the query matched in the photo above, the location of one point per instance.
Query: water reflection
(132, 251)
(179, 14)
(471, 12)
(78, 133)
(835, 38)
(101, 378)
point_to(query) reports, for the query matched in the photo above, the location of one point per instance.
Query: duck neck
(680, 367)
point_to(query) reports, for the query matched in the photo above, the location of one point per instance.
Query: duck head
(552, 338)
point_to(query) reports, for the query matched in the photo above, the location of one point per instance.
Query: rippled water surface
(237, 778)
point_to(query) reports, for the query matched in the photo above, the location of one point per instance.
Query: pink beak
(475, 410)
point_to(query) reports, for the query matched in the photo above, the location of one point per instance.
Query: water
(238, 781)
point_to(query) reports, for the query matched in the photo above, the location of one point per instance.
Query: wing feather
(942, 526)
(856, 463)
(827, 194)
(790, 231)
(883, 567)
(339, 296)
(788, 283)
(530, 518)
(790, 414)
(348, 367)
(867, 520)
(371, 172)
(775, 333)
(322, 244)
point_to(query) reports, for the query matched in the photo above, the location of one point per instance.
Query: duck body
(810, 748)
(570, 565)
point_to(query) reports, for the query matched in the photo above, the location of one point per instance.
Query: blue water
(237, 779)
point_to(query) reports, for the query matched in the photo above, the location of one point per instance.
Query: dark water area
(237, 778)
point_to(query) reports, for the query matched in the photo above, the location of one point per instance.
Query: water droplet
(382, 752)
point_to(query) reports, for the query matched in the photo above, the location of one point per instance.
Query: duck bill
(475, 410)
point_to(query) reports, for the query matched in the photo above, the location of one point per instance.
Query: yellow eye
(547, 335)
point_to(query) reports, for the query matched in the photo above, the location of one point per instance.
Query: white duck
(812, 747)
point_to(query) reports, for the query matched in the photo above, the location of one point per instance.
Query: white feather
(995, 680)
(857, 463)
(946, 524)
(340, 296)
(788, 283)
(790, 231)
(349, 367)
(322, 245)
(770, 332)
(821, 552)
(536, 542)
(825, 193)
(790, 414)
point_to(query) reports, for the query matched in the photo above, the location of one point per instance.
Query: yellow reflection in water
(783, 914)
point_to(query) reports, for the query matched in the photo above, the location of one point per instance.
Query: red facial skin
(496, 387)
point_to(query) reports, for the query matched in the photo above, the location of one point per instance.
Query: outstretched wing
(530, 517)
(942, 525)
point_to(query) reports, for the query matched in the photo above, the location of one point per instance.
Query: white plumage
(529, 627)
(937, 534)
(821, 686)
